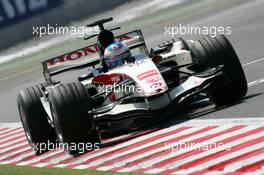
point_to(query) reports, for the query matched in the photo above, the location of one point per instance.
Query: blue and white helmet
(116, 54)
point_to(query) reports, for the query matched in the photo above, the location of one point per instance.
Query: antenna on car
(100, 23)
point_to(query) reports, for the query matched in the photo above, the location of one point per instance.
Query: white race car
(154, 85)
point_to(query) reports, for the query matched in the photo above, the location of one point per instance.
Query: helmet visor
(118, 60)
(115, 62)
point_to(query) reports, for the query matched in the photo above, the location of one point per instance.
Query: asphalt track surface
(145, 152)
(247, 22)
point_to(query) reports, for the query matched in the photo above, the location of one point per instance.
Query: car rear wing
(88, 56)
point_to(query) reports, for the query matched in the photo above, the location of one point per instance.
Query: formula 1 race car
(152, 86)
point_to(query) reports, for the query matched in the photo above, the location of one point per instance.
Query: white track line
(13, 137)
(10, 133)
(41, 165)
(252, 62)
(14, 153)
(13, 147)
(256, 82)
(10, 125)
(7, 131)
(18, 158)
(260, 171)
(59, 159)
(39, 158)
(12, 142)
(217, 173)
(237, 165)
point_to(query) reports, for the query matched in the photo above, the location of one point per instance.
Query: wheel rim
(24, 123)
(56, 126)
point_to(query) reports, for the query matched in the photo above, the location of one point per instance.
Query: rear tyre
(214, 51)
(74, 126)
(38, 130)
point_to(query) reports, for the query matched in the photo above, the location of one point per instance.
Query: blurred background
(18, 16)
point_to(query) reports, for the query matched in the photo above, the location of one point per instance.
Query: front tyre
(38, 130)
(73, 124)
(214, 51)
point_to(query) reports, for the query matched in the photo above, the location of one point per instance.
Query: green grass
(22, 170)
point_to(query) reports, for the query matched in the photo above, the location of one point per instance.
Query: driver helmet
(117, 54)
